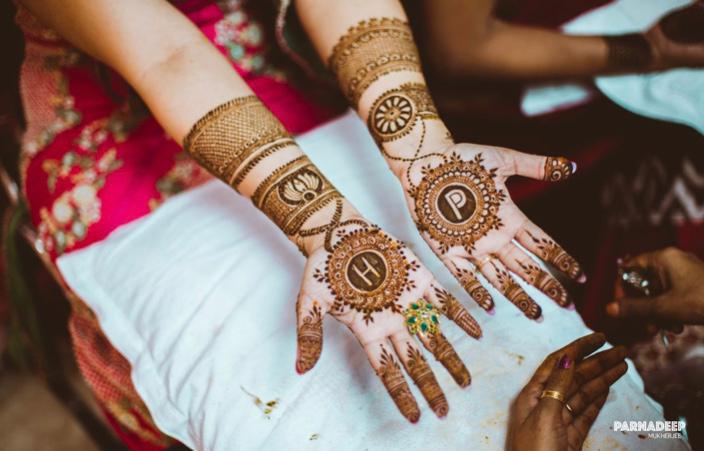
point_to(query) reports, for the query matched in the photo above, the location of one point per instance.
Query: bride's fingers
(538, 242)
(552, 169)
(449, 306)
(496, 273)
(309, 314)
(521, 264)
(444, 353)
(389, 371)
(472, 286)
(417, 367)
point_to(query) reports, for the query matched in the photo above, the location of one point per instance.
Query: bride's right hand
(374, 285)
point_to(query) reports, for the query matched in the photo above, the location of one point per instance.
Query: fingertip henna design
(545, 283)
(310, 339)
(452, 308)
(552, 253)
(515, 294)
(423, 377)
(476, 290)
(447, 356)
(557, 169)
(391, 376)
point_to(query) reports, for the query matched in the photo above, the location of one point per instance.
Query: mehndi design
(545, 283)
(457, 202)
(390, 374)
(310, 339)
(228, 135)
(369, 50)
(549, 251)
(557, 169)
(423, 377)
(395, 113)
(514, 293)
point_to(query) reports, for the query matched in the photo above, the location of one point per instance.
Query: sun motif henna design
(557, 169)
(514, 293)
(549, 251)
(370, 50)
(310, 339)
(367, 272)
(543, 282)
(474, 287)
(452, 308)
(457, 202)
(390, 374)
(423, 377)
(395, 113)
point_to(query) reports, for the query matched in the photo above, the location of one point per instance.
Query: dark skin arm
(465, 39)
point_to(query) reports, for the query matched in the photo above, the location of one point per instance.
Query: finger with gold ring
(422, 317)
(554, 394)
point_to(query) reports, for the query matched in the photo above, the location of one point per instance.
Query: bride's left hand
(460, 203)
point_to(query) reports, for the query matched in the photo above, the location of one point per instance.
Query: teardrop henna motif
(552, 253)
(545, 283)
(514, 293)
(423, 377)
(310, 339)
(391, 376)
(452, 308)
(474, 287)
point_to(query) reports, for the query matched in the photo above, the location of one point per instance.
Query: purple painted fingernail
(564, 363)
(491, 311)
(572, 307)
(540, 319)
(574, 166)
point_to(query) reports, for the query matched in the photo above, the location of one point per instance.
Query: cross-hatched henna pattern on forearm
(457, 203)
(228, 135)
(629, 52)
(369, 50)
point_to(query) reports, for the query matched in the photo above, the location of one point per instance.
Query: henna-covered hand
(460, 203)
(374, 284)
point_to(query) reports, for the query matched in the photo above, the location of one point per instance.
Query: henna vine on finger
(516, 294)
(452, 308)
(310, 339)
(367, 272)
(423, 377)
(552, 253)
(446, 354)
(391, 376)
(474, 287)
(545, 283)
(457, 203)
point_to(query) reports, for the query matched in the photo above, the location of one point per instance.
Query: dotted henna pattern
(557, 169)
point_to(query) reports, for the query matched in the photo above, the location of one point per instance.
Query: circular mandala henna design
(367, 271)
(457, 203)
(393, 115)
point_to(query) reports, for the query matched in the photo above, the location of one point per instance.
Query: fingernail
(613, 309)
(571, 306)
(574, 166)
(564, 363)
(491, 311)
(619, 261)
(540, 319)
(582, 278)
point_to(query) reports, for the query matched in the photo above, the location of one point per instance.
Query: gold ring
(569, 409)
(554, 394)
(485, 260)
(422, 317)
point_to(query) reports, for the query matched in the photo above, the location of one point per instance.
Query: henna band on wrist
(370, 50)
(629, 52)
(226, 137)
